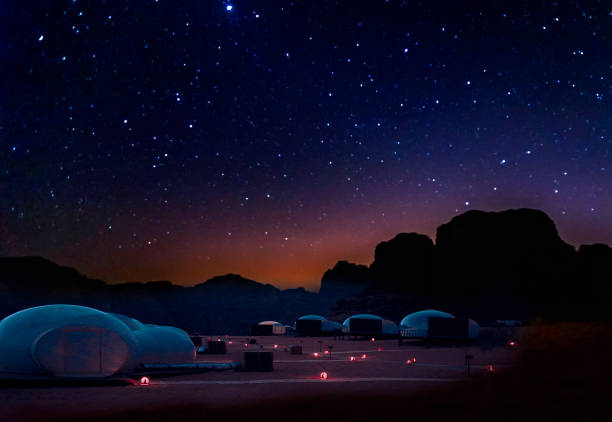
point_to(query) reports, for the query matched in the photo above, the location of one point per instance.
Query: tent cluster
(77, 341)
(423, 324)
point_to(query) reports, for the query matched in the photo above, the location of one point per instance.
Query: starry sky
(157, 139)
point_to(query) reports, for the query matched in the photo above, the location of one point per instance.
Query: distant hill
(486, 265)
(224, 304)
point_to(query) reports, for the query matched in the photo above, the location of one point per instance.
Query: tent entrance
(82, 352)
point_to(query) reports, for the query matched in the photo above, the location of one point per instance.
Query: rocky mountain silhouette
(508, 264)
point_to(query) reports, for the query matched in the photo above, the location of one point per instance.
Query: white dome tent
(276, 328)
(80, 342)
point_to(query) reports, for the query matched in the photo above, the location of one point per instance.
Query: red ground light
(364, 356)
(144, 381)
(352, 358)
(323, 375)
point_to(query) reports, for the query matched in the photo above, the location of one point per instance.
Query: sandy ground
(383, 370)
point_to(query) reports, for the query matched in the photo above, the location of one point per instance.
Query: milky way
(177, 140)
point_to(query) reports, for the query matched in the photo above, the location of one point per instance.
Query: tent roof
(269, 323)
(313, 317)
(421, 318)
(361, 316)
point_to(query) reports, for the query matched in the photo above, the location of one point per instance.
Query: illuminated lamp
(352, 358)
(326, 352)
(276, 346)
(490, 368)
(413, 360)
(372, 339)
(144, 381)
(230, 342)
(380, 349)
(316, 354)
(511, 343)
(364, 356)
(408, 362)
(323, 375)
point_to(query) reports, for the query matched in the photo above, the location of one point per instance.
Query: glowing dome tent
(367, 324)
(316, 325)
(416, 324)
(66, 340)
(77, 341)
(268, 328)
(431, 323)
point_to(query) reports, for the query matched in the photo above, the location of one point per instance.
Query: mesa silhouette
(489, 265)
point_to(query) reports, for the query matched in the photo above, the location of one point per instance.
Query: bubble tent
(72, 341)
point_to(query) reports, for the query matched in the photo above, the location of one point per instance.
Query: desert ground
(352, 366)
(523, 380)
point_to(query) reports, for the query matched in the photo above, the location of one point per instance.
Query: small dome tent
(316, 325)
(268, 328)
(416, 324)
(368, 324)
(81, 342)
(437, 324)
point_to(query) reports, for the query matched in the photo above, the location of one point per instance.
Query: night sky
(148, 140)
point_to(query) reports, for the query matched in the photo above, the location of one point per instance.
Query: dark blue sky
(180, 140)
